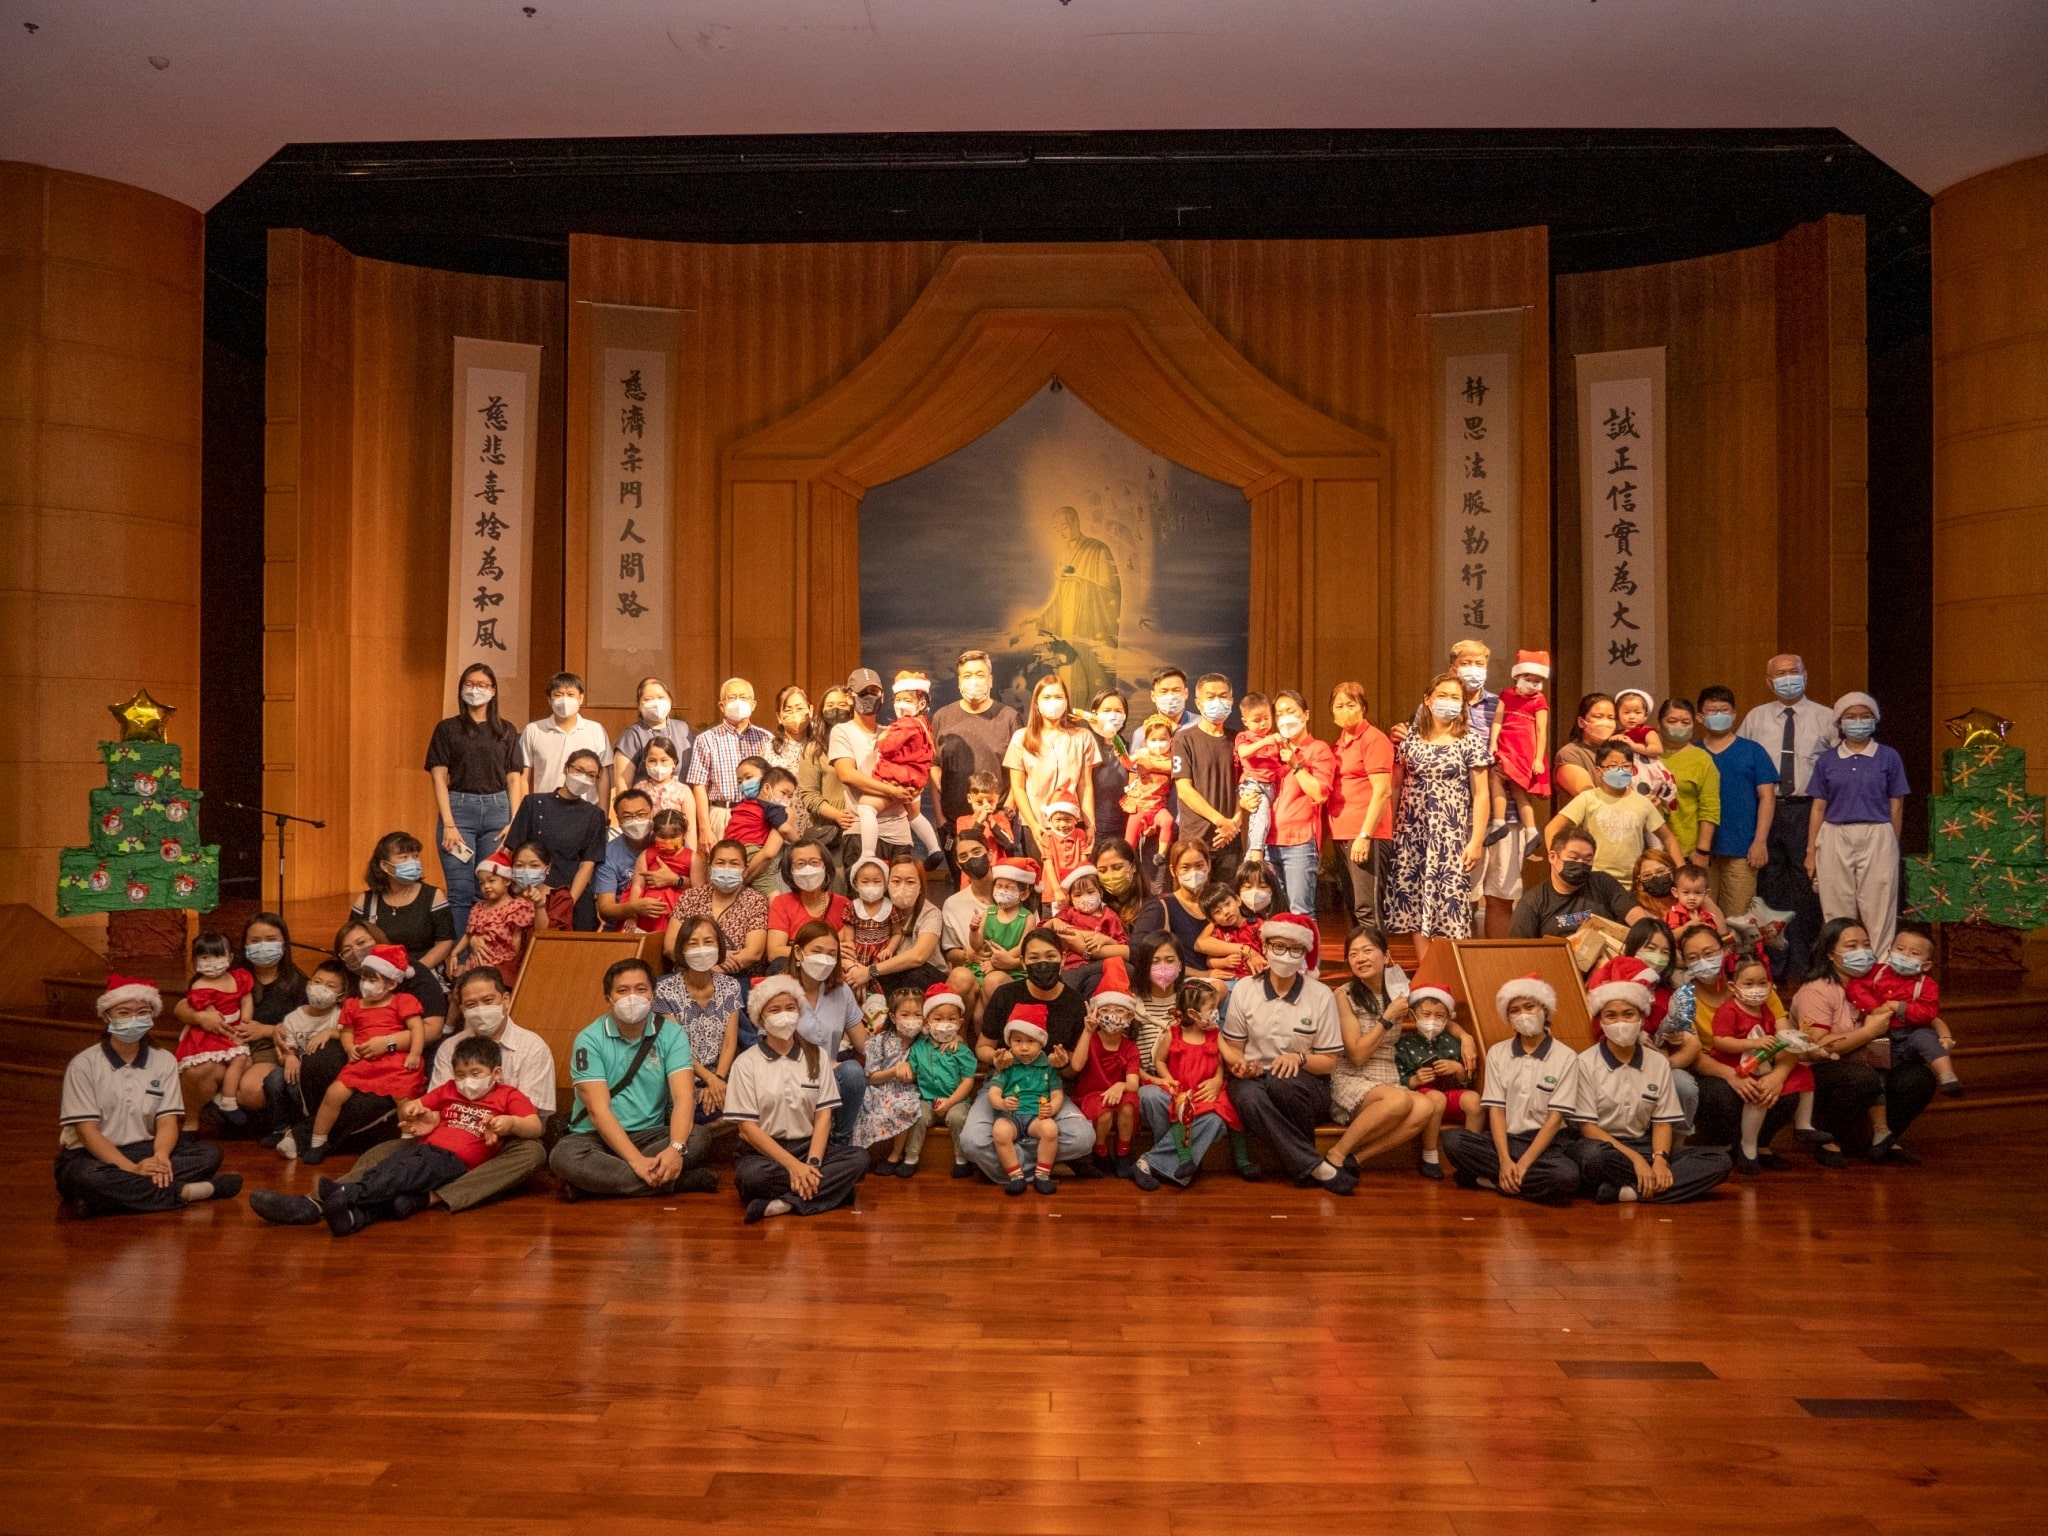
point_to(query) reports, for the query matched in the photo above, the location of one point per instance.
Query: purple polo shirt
(1858, 786)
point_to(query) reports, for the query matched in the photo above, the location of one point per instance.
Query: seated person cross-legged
(1528, 1078)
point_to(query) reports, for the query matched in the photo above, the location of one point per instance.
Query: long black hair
(492, 723)
(289, 976)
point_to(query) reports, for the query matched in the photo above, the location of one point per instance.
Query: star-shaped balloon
(1975, 725)
(142, 718)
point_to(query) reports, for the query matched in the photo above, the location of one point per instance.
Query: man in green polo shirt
(635, 1099)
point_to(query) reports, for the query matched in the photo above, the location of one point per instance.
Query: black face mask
(1044, 974)
(1658, 884)
(975, 869)
(1575, 872)
(867, 704)
(835, 714)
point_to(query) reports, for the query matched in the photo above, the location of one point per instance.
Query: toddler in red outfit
(1107, 1070)
(1905, 983)
(903, 757)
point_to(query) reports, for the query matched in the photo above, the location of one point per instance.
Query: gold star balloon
(1978, 725)
(142, 718)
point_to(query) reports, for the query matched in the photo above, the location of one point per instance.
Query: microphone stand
(280, 817)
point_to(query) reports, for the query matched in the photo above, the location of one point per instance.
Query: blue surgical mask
(1904, 965)
(750, 788)
(264, 952)
(1704, 969)
(1617, 778)
(1859, 730)
(1678, 733)
(528, 878)
(1858, 962)
(727, 878)
(1791, 686)
(1720, 720)
(407, 869)
(128, 1031)
(1215, 711)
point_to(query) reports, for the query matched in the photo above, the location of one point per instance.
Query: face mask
(1256, 899)
(1790, 686)
(739, 711)
(779, 1025)
(1052, 709)
(528, 877)
(1472, 676)
(976, 868)
(974, 689)
(1088, 901)
(473, 1088)
(1752, 995)
(750, 789)
(1430, 1028)
(835, 714)
(1284, 963)
(1719, 720)
(637, 829)
(945, 1032)
(700, 957)
(476, 698)
(1192, 880)
(660, 773)
(212, 965)
(1291, 727)
(808, 877)
(1216, 711)
(869, 893)
(1528, 1023)
(1904, 965)
(1111, 721)
(1859, 730)
(1703, 970)
(563, 705)
(1117, 882)
(1445, 710)
(372, 988)
(129, 1030)
(485, 1018)
(631, 1008)
(1858, 962)
(1528, 687)
(1678, 733)
(1164, 974)
(1574, 872)
(580, 784)
(867, 703)
(1660, 883)
(264, 952)
(1622, 1034)
(1171, 705)
(654, 711)
(819, 967)
(1656, 962)
(910, 1028)
(320, 997)
(727, 879)
(903, 898)
(1007, 895)
(1044, 974)
(907, 707)
(1617, 778)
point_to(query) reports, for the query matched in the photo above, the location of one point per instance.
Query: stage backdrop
(1056, 543)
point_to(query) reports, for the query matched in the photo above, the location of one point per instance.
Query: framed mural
(1055, 543)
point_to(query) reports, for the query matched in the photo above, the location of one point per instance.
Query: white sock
(1628, 1195)
(868, 830)
(1324, 1171)
(1752, 1122)
(1428, 1156)
(1498, 821)
(289, 1147)
(319, 1140)
(1802, 1118)
(777, 1208)
(192, 1194)
(224, 1101)
(927, 839)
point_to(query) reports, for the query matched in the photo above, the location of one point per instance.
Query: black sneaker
(1143, 1177)
(963, 1170)
(906, 1170)
(1249, 1172)
(1017, 1184)
(1607, 1194)
(342, 1218)
(1501, 831)
(698, 1181)
(1744, 1163)
(756, 1209)
(1463, 1179)
(1829, 1157)
(1953, 1087)
(404, 1207)
(1894, 1153)
(1766, 1158)
(1086, 1169)
(1345, 1182)
(313, 1156)
(1126, 1166)
(226, 1186)
(1814, 1134)
(1045, 1184)
(283, 1210)
(1431, 1170)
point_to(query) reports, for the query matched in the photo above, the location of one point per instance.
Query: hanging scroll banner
(1622, 552)
(490, 534)
(631, 621)
(1479, 484)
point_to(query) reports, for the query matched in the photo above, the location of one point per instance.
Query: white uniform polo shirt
(127, 1099)
(525, 1063)
(781, 1094)
(1528, 1085)
(1623, 1100)
(544, 749)
(1270, 1024)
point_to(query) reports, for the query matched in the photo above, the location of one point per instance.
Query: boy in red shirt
(1230, 945)
(986, 817)
(1905, 983)
(1063, 848)
(1259, 770)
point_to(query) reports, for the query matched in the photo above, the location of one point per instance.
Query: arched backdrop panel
(992, 326)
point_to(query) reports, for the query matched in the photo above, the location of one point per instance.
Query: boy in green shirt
(1027, 1098)
(944, 1068)
(1431, 1060)
(1005, 924)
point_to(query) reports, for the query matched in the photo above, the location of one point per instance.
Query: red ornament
(110, 824)
(145, 783)
(177, 810)
(183, 885)
(138, 892)
(172, 850)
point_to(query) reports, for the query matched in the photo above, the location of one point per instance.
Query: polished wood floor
(1839, 1353)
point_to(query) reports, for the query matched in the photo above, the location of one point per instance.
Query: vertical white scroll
(631, 624)
(1479, 485)
(1622, 555)
(490, 537)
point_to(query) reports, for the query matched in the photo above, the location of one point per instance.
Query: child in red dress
(1521, 749)
(500, 924)
(903, 757)
(1191, 1081)
(1150, 781)
(1107, 1070)
(1744, 1028)
(211, 1057)
(1230, 943)
(1063, 849)
(1905, 983)
(1634, 712)
(1085, 912)
(670, 850)
(376, 1024)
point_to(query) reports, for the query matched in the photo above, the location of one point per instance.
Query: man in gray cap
(852, 751)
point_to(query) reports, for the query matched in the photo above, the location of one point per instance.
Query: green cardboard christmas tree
(145, 851)
(1986, 862)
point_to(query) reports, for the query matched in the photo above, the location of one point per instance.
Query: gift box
(2004, 827)
(144, 850)
(145, 768)
(1983, 769)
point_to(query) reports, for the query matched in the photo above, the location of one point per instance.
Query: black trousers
(1551, 1180)
(414, 1170)
(1843, 1093)
(1718, 1122)
(1284, 1112)
(760, 1177)
(1694, 1170)
(1783, 883)
(108, 1191)
(1366, 880)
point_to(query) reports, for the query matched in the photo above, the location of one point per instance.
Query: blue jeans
(853, 1087)
(1260, 825)
(1298, 863)
(479, 818)
(1162, 1159)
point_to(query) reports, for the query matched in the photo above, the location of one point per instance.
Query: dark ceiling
(1609, 199)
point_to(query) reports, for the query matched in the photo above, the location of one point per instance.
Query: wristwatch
(676, 1147)
(815, 1162)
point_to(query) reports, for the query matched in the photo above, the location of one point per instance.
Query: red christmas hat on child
(129, 989)
(938, 995)
(1621, 979)
(389, 961)
(1433, 994)
(1114, 990)
(1293, 925)
(1022, 872)
(1531, 664)
(499, 864)
(1531, 986)
(1026, 1019)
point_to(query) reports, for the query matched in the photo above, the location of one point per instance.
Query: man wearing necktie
(1795, 731)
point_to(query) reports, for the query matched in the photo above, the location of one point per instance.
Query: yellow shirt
(1623, 826)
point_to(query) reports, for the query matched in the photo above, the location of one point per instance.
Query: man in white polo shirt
(546, 744)
(1280, 1043)
(1527, 1078)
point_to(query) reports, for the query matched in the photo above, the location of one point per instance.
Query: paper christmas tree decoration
(145, 850)
(1986, 862)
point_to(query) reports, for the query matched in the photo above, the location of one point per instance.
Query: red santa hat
(1294, 926)
(1075, 874)
(1433, 995)
(1022, 872)
(1114, 990)
(1064, 804)
(766, 990)
(499, 864)
(1531, 664)
(1516, 988)
(911, 682)
(389, 961)
(129, 989)
(1026, 1019)
(1621, 979)
(940, 994)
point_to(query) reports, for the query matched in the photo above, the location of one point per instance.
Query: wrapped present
(120, 819)
(2005, 827)
(89, 880)
(1983, 769)
(144, 768)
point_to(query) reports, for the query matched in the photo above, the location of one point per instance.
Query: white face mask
(636, 829)
(1428, 1026)
(1622, 1034)
(1007, 895)
(1445, 710)
(485, 1018)
(579, 783)
(1472, 676)
(739, 711)
(1527, 1022)
(476, 698)
(473, 1088)
(320, 997)
(807, 877)
(654, 711)
(632, 1008)
(944, 1032)
(1290, 726)
(211, 965)
(700, 957)
(1528, 687)
(563, 705)
(819, 967)
(1752, 995)
(1192, 880)
(1088, 901)
(1255, 899)
(660, 773)
(1111, 721)
(974, 689)
(1052, 708)
(910, 1028)
(1284, 963)
(372, 988)
(779, 1024)
(871, 894)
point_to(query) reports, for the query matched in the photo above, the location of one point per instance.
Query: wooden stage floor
(1838, 1353)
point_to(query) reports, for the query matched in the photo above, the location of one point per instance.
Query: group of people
(1125, 939)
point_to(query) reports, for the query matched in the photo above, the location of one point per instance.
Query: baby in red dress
(211, 1057)
(1521, 749)
(376, 1024)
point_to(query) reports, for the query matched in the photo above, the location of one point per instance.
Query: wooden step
(2008, 1067)
(39, 1042)
(1976, 1115)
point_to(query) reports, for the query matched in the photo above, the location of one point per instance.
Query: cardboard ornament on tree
(144, 853)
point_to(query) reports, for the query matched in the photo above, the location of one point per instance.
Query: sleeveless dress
(198, 1046)
(888, 1108)
(1191, 1065)
(1518, 762)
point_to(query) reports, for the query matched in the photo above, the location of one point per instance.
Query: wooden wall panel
(101, 288)
(1991, 453)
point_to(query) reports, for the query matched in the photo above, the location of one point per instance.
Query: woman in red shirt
(806, 864)
(1361, 805)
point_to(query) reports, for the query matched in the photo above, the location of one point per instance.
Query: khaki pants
(515, 1163)
(1856, 868)
(956, 1122)
(1731, 883)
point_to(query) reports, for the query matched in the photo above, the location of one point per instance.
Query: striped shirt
(716, 754)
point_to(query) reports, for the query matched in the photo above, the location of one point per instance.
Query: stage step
(39, 1042)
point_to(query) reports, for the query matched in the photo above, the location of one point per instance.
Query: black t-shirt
(419, 925)
(1544, 912)
(1110, 778)
(1064, 1015)
(477, 759)
(1210, 764)
(269, 1005)
(572, 831)
(969, 744)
